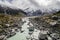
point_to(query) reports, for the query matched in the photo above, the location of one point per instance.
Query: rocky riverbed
(39, 28)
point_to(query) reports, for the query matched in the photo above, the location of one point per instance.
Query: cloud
(43, 5)
(47, 5)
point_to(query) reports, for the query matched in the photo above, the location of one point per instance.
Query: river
(19, 35)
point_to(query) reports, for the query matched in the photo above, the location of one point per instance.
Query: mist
(29, 5)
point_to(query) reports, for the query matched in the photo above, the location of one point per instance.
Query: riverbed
(19, 35)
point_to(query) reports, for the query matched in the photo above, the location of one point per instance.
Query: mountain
(12, 7)
(31, 7)
(10, 11)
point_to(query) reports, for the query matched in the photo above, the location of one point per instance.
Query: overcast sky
(43, 5)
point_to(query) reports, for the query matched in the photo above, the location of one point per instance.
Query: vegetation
(6, 19)
(56, 18)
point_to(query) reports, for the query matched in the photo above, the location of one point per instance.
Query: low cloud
(43, 5)
(47, 5)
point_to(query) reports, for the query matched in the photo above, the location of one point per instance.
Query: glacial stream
(21, 36)
(25, 35)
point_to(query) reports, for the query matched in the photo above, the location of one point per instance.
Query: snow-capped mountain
(31, 6)
(21, 4)
(16, 5)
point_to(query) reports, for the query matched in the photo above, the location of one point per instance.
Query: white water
(22, 36)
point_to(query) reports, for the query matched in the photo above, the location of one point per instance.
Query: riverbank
(9, 26)
(27, 28)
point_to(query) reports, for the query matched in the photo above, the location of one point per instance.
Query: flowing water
(25, 35)
(21, 36)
